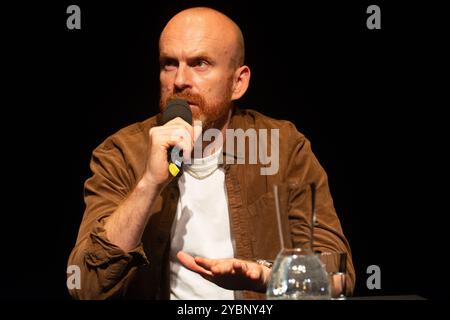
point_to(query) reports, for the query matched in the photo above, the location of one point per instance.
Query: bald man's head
(205, 22)
(201, 53)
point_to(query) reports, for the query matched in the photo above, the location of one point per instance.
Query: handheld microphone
(176, 108)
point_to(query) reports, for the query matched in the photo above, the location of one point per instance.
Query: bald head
(205, 26)
(201, 56)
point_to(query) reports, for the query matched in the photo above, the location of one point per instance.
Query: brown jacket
(143, 273)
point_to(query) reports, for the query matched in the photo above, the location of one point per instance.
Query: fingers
(161, 139)
(218, 267)
(231, 274)
(171, 136)
(206, 263)
(254, 274)
(212, 267)
(252, 271)
(189, 262)
(223, 269)
(180, 123)
(240, 266)
(230, 266)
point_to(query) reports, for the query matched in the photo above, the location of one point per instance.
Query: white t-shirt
(201, 228)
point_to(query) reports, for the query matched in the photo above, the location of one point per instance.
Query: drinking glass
(297, 273)
(335, 264)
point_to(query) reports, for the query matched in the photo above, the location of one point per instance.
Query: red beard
(212, 115)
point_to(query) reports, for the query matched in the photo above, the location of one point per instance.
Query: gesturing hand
(231, 274)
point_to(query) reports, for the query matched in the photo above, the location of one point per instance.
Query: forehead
(194, 39)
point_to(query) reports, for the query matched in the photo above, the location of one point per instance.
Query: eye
(168, 64)
(200, 64)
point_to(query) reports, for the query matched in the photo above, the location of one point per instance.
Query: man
(146, 234)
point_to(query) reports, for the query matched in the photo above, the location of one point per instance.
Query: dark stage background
(370, 101)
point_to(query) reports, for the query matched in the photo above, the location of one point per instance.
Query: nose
(182, 78)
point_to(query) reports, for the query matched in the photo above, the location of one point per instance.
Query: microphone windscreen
(177, 108)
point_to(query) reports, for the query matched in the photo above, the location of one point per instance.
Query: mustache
(191, 98)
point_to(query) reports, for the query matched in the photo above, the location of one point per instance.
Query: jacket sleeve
(105, 269)
(328, 235)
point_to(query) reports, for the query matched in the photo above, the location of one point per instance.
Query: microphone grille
(177, 108)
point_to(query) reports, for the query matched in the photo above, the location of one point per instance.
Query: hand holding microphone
(168, 142)
(176, 108)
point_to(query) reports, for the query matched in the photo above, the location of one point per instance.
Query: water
(298, 276)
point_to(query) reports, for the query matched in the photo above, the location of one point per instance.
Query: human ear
(241, 82)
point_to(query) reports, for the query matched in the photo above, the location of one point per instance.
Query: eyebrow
(199, 55)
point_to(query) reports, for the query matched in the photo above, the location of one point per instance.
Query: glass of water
(297, 274)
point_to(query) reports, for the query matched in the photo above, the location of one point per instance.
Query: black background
(370, 101)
